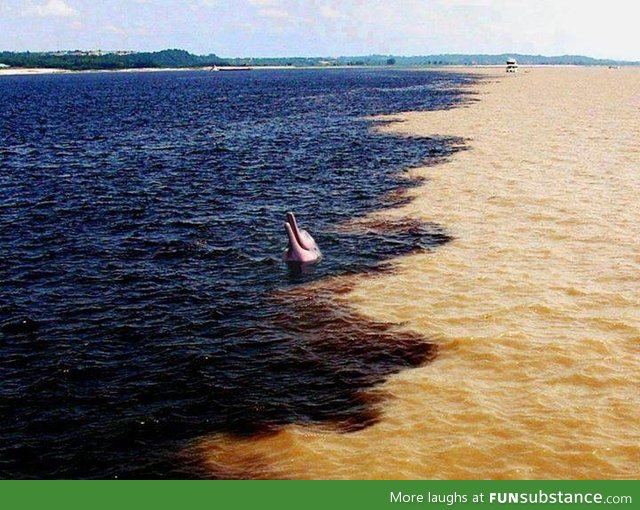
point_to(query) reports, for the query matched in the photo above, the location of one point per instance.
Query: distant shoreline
(24, 71)
(32, 71)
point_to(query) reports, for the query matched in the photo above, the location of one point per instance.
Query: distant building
(89, 53)
(4, 66)
(512, 65)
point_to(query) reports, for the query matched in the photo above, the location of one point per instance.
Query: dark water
(141, 233)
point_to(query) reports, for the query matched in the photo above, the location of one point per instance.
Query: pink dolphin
(302, 247)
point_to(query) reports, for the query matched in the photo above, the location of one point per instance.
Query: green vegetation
(95, 60)
(81, 61)
(426, 60)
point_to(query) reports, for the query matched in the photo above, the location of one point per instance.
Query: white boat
(216, 68)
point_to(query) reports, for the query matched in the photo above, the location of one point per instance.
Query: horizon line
(464, 54)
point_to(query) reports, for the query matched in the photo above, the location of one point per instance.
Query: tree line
(76, 61)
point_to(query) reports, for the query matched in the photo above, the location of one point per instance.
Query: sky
(235, 28)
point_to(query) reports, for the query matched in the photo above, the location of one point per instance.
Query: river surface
(141, 237)
(534, 304)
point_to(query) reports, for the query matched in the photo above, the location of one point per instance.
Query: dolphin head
(302, 247)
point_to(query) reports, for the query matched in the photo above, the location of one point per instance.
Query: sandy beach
(21, 71)
(534, 304)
